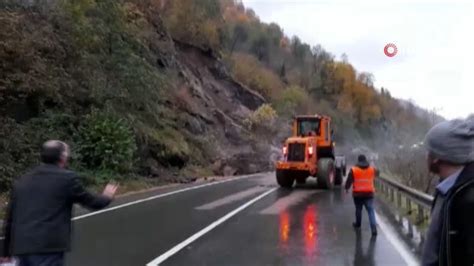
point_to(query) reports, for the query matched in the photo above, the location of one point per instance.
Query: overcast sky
(433, 66)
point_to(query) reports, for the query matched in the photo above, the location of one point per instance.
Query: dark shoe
(356, 226)
(374, 233)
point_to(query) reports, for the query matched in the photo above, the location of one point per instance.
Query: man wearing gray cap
(450, 237)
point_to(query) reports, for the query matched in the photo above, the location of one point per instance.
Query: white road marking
(161, 196)
(396, 243)
(231, 198)
(205, 230)
(284, 203)
(158, 196)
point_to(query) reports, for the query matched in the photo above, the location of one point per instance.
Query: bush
(194, 22)
(98, 178)
(262, 119)
(250, 72)
(106, 143)
(167, 146)
(20, 142)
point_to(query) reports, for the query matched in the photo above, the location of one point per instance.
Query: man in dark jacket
(361, 178)
(38, 221)
(450, 237)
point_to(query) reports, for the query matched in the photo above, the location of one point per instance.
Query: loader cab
(313, 126)
(316, 131)
(306, 127)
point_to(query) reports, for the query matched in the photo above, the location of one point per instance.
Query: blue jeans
(48, 259)
(368, 203)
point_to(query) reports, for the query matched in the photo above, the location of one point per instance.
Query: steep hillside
(165, 109)
(173, 89)
(217, 106)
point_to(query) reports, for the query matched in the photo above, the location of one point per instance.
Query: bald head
(55, 152)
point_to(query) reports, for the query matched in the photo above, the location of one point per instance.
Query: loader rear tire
(326, 173)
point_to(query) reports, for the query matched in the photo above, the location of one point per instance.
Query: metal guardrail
(412, 204)
(413, 194)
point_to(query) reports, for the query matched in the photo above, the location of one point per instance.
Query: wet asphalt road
(304, 226)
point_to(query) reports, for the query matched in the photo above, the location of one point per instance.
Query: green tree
(106, 143)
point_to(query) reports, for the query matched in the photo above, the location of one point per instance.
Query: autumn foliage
(248, 70)
(62, 59)
(294, 76)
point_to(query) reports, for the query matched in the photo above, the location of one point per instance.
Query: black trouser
(368, 203)
(47, 259)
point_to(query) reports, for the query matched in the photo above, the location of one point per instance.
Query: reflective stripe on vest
(363, 179)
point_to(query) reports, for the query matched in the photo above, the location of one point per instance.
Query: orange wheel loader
(309, 152)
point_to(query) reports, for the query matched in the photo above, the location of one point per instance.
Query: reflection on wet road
(310, 228)
(284, 228)
(361, 256)
(303, 226)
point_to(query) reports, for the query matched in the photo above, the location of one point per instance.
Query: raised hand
(110, 190)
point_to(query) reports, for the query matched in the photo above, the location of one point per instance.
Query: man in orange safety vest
(361, 179)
